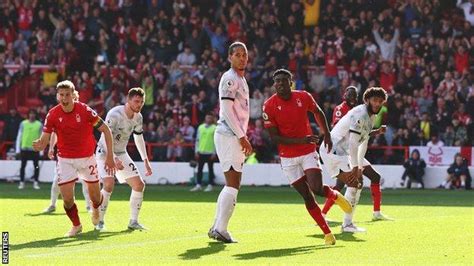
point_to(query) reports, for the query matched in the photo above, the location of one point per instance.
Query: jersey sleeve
(49, 123)
(228, 88)
(268, 117)
(310, 103)
(91, 116)
(111, 120)
(356, 122)
(138, 129)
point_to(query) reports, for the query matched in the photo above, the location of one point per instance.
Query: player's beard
(371, 109)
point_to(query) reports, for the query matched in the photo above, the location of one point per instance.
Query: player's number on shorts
(93, 169)
(133, 166)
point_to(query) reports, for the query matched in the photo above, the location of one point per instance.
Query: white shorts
(130, 168)
(70, 169)
(229, 152)
(335, 163)
(293, 168)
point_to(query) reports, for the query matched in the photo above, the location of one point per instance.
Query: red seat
(33, 102)
(3, 105)
(23, 111)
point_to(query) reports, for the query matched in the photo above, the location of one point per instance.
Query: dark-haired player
(350, 100)
(123, 121)
(350, 137)
(230, 137)
(285, 116)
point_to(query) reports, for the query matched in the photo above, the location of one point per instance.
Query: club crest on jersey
(60, 119)
(279, 107)
(78, 118)
(298, 102)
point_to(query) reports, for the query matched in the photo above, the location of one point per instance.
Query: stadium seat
(23, 110)
(33, 102)
(3, 105)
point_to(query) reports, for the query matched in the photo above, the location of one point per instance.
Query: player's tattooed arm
(275, 135)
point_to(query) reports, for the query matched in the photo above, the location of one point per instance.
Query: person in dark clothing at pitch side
(414, 170)
(458, 174)
(30, 129)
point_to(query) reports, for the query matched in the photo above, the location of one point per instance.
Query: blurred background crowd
(420, 51)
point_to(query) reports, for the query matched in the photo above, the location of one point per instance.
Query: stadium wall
(254, 175)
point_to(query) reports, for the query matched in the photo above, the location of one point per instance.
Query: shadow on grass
(349, 237)
(80, 240)
(282, 252)
(197, 253)
(44, 214)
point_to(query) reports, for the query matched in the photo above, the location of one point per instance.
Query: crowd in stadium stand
(420, 51)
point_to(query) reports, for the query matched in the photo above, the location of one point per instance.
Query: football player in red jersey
(73, 122)
(285, 116)
(350, 100)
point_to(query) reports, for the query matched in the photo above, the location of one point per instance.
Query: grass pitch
(271, 224)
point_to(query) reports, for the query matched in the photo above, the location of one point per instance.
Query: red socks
(73, 215)
(315, 212)
(376, 196)
(329, 201)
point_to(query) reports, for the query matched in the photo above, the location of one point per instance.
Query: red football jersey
(340, 111)
(291, 119)
(74, 130)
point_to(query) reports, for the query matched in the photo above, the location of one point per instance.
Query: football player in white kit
(230, 138)
(124, 120)
(350, 138)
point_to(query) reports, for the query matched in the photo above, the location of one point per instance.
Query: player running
(285, 117)
(123, 120)
(230, 137)
(73, 122)
(350, 137)
(350, 100)
(54, 186)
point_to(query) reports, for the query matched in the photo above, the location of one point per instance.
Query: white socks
(225, 207)
(136, 199)
(105, 203)
(352, 195)
(54, 191)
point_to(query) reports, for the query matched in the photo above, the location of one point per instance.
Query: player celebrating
(350, 137)
(73, 122)
(54, 186)
(230, 137)
(350, 100)
(285, 116)
(123, 120)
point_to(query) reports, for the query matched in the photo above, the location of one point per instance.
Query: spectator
(414, 170)
(460, 133)
(12, 123)
(160, 152)
(388, 44)
(256, 104)
(187, 130)
(186, 58)
(30, 130)
(435, 142)
(205, 152)
(458, 174)
(175, 148)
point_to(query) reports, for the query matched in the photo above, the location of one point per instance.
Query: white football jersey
(234, 87)
(357, 120)
(122, 128)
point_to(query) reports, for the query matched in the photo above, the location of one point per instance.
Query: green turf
(271, 224)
